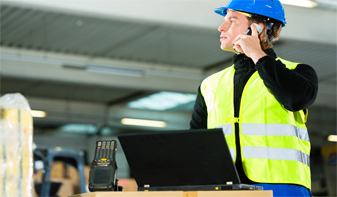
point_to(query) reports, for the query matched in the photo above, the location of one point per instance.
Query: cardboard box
(38, 176)
(72, 174)
(57, 170)
(86, 173)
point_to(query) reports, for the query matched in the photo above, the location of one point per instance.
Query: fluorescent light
(115, 71)
(162, 101)
(38, 114)
(79, 128)
(141, 122)
(58, 148)
(332, 138)
(300, 3)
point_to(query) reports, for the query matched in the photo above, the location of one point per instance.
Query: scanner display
(102, 175)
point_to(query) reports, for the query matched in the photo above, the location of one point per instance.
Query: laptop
(184, 160)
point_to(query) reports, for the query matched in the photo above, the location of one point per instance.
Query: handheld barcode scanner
(103, 171)
(249, 32)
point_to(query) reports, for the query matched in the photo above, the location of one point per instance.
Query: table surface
(237, 193)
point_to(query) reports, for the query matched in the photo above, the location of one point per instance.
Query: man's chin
(227, 49)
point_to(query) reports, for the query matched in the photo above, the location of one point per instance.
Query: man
(260, 101)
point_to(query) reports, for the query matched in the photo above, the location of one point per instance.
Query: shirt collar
(241, 60)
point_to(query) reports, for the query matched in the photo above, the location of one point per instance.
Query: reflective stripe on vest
(275, 153)
(295, 137)
(227, 129)
(270, 130)
(275, 130)
(232, 151)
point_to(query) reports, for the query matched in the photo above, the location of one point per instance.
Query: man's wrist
(257, 55)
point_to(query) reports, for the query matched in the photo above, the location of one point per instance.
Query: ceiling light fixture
(162, 101)
(100, 68)
(79, 128)
(141, 122)
(115, 71)
(332, 138)
(38, 114)
(300, 3)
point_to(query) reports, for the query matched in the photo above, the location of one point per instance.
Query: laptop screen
(179, 158)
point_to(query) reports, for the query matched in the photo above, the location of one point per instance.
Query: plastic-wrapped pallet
(16, 154)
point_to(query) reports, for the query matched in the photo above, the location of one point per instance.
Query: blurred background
(93, 69)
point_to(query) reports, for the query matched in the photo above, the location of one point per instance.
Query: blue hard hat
(269, 8)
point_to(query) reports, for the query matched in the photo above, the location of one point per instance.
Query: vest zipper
(237, 125)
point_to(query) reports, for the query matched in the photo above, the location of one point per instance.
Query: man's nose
(223, 27)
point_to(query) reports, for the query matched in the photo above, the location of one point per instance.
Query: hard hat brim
(223, 12)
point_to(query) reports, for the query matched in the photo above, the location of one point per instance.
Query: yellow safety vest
(275, 144)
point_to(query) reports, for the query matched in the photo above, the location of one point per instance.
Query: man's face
(233, 25)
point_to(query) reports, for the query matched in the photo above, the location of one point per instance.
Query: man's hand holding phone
(250, 44)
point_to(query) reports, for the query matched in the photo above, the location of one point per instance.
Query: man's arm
(199, 116)
(295, 89)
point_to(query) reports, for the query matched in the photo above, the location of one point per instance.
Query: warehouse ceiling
(83, 62)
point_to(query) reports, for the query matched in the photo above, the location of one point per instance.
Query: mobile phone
(103, 171)
(249, 32)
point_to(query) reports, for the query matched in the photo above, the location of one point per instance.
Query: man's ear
(262, 25)
(263, 32)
